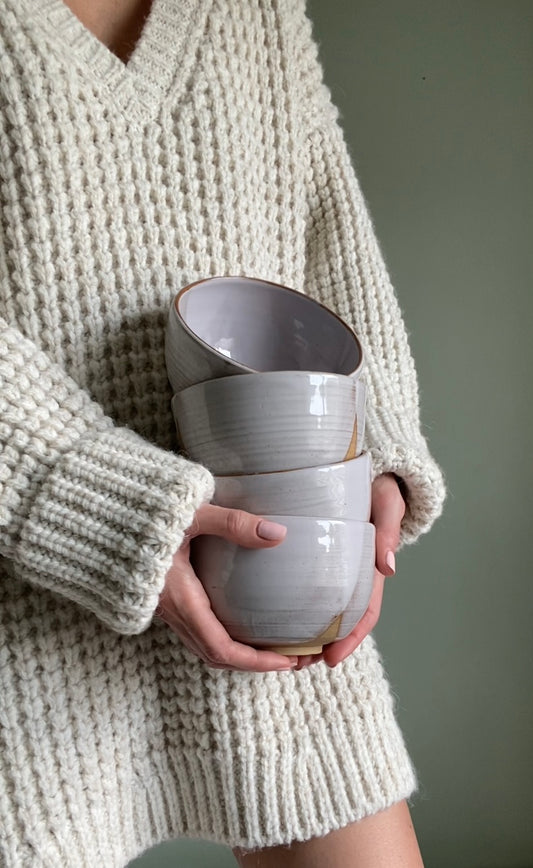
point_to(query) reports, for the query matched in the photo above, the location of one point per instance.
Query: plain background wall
(437, 105)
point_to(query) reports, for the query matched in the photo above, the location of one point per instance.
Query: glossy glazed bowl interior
(277, 420)
(233, 325)
(341, 490)
(310, 590)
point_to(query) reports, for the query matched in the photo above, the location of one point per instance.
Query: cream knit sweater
(216, 150)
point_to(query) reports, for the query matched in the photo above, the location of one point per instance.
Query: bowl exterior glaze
(277, 420)
(341, 491)
(291, 595)
(234, 325)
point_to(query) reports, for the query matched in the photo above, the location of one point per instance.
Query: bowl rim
(348, 380)
(340, 465)
(304, 519)
(240, 365)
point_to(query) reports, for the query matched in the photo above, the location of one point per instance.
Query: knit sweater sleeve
(345, 270)
(88, 510)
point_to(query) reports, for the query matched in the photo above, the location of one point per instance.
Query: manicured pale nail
(390, 560)
(271, 530)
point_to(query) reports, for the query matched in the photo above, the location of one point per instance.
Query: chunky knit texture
(216, 150)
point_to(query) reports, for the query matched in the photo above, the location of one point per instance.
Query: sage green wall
(437, 102)
(437, 105)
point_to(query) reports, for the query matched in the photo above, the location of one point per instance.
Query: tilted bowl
(234, 325)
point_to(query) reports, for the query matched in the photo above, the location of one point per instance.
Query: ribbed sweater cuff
(107, 521)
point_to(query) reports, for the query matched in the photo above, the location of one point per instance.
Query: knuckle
(236, 522)
(397, 499)
(401, 503)
(216, 656)
(390, 540)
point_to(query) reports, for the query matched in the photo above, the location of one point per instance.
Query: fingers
(184, 606)
(338, 651)
(235, 525)
(308, 660)
(388, 510)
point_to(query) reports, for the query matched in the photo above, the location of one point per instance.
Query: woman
(145, 145)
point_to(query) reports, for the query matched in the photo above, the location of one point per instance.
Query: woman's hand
(388, 509)
(184, 604)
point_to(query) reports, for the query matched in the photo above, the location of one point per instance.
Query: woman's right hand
(184, 604)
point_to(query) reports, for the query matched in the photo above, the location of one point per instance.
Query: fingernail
(390, 560)
(271, 530)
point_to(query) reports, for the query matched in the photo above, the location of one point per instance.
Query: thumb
(388, 509)
(238, 526)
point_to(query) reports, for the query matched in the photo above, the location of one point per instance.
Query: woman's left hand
(388, 509)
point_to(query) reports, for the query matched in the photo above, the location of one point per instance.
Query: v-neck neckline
(161, 57)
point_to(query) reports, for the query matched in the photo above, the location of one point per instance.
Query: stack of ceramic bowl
(283, 441)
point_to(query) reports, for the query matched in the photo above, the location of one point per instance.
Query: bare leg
(385, 840)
